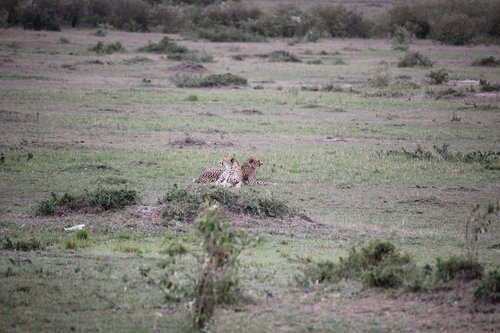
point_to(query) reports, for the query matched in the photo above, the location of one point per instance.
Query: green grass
(327, 150)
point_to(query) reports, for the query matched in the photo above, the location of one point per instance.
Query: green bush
(227, 34)
(166, 46)
(458, 268)
(377, 264)
(490, 61)
(489, 288)
(339, 21)
(455, 29)
(413, 59)
(100, 199)
(212, 80)
(130, 15)
(39, 16)
(412, 18)
(438, 77)
(100, 48)
(283, 56)
(32, 244)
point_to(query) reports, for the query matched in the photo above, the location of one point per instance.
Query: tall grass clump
(489, 288)
(490, 61)
(165, 45)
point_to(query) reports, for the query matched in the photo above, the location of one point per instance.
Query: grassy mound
(182, 203)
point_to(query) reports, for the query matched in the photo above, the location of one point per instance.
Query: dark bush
(489, 288)
(377, 264)
(487, 86)
(413, 59)
(101, 48)
(410, 17)
(166, 45)
(227, 34)
(283, 21)
(490, 61)
(458, 268)
(283, 56)
(455, 29)
(130, 15)
(39, 16)
(339, 21)
(438, 77)
(100, 199)
(170, 18)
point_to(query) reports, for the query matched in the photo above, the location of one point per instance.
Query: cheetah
(248, 169)
(232, 175)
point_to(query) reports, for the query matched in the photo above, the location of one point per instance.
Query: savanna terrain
(346, 134)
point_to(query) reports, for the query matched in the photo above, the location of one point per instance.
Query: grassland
(72, 120)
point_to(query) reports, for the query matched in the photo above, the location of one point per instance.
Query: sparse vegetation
(283, 56)
(458, 268)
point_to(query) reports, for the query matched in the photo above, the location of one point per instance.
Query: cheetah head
(254, 162)
(228, 161)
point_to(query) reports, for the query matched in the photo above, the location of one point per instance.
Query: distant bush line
(447, 21)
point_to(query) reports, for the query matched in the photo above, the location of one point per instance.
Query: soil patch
(194, 142)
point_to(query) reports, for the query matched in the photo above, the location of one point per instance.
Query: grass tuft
(458, 268)
(489, 288)
(415, 59)
(100, 48)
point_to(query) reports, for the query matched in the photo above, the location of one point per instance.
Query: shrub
(100, 199)
(412, 59)
(212, 80)
(339, 21)
(487, 86)
(438, 77)
(412, 18)
(171, 18)
(166, 45)
(100, 48)
(489, 288)
(458, 268)
(32, 244)
(38, 16)
(283, 56)
(455, 29)
(227, 34)
(490, 61)
(214, 280)
(377, 264)
(130, 15)
(283, 21)
(401, 39)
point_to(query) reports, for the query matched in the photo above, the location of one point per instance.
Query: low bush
(440, 76)
(490, 61)
(39, 16)
(212, 80)
(458, 268)
(489, 288)
(166, 46)
(283, 56)
(488, 87)
(99, 199)
(377, 264)
(32, 244)
(414, 59)
(101, 48)
(227, 34)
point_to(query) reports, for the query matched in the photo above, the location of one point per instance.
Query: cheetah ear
(232, 160)
(251, 160)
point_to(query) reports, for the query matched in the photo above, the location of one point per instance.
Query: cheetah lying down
(248, 170)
